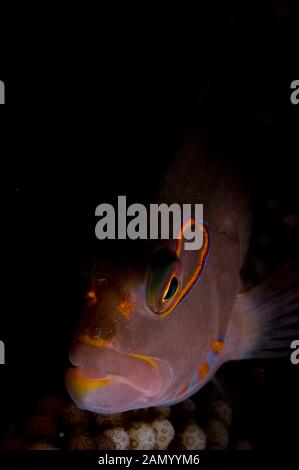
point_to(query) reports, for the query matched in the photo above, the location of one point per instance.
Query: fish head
(146, 328)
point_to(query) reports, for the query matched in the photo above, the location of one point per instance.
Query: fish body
(159, 320)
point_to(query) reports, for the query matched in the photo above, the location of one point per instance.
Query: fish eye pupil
(172, 288)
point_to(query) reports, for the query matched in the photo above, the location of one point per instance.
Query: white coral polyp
(142, 436)
(219, 409)
(193, 437)
(164, 433)
(119, 436)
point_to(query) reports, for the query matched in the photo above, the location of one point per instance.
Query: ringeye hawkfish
(159, 320)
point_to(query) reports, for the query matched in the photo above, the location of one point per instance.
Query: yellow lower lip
(83, 384)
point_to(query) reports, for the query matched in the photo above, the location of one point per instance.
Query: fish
(159, 320)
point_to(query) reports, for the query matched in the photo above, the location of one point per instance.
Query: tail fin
(266, 319)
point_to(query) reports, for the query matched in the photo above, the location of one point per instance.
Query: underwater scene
(150, 254)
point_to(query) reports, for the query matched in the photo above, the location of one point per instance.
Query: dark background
(107, 125)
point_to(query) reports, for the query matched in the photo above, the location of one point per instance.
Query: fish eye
(163, 281)
(171, 289)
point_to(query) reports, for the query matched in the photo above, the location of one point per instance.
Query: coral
(164, 433)
(221, 410)
(160, 427)
(71, 414)
(119, 436)
(193, 437)
(115, 420)
(162, 412)
(140, 414)
(185, 409)
(142, 436)
(104, 443)
(217, 435)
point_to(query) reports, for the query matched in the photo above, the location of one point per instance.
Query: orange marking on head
(203, 370)
(83, 384)
(217, 346)
(125, 308)
(147, 359)
(183, 389)
(91, 298)
(86, 339)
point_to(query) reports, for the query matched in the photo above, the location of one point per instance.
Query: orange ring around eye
(203, 252)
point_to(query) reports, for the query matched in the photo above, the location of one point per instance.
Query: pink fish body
(159, 321)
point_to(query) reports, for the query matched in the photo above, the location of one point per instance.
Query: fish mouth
(108, 381)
